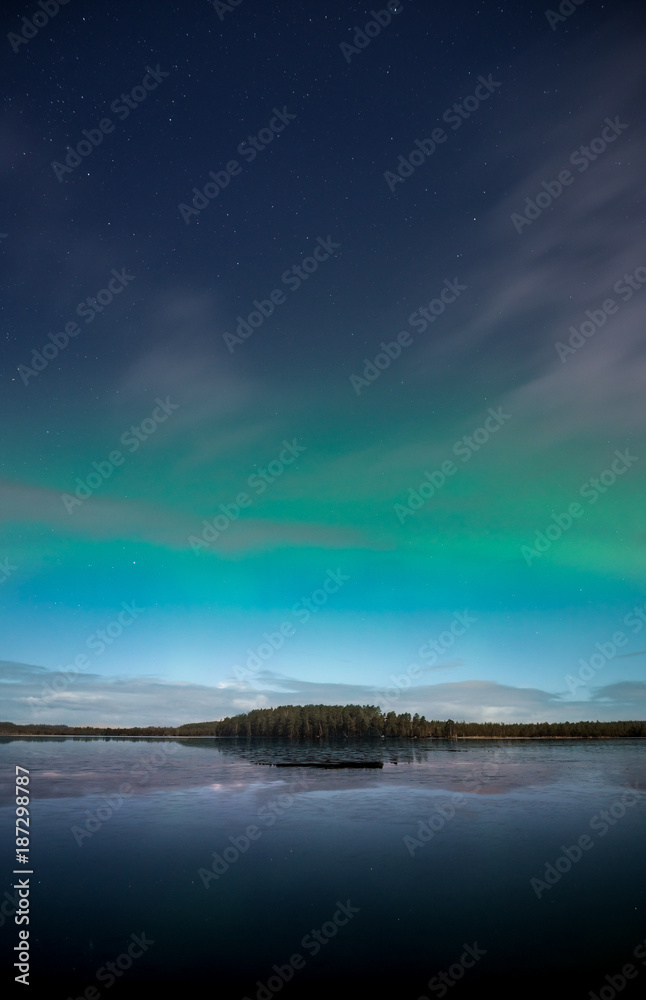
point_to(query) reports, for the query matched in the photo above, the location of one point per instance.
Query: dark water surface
(223, 867)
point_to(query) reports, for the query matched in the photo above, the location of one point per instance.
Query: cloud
(139, 520)
(627, 697)
(527, 289)
(94, 700)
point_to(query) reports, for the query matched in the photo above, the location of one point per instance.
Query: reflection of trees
(308, 751)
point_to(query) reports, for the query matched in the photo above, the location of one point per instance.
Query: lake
(458, 866)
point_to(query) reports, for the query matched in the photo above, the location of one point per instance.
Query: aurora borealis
(371, 398)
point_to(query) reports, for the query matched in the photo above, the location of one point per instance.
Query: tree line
(312, 722)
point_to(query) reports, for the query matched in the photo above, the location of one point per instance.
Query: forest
(314, 722)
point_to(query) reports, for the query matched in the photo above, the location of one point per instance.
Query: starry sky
(323, 360)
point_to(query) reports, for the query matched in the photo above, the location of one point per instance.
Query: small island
(317, 722)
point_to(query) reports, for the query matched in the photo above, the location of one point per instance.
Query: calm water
(381, 878)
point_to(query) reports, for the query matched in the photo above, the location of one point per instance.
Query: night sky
(323, 360)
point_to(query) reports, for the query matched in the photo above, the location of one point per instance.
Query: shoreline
(285, 739)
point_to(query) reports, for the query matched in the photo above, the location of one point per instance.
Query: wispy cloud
(147, 700)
